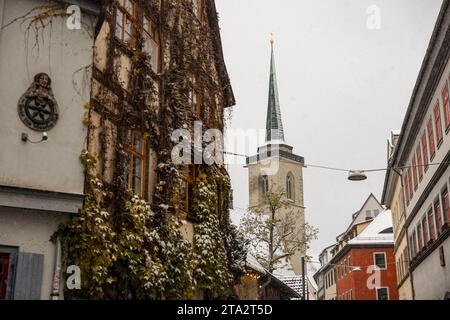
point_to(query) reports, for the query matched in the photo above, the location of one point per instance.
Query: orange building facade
(357, 277)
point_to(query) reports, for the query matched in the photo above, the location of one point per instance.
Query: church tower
(275, 166)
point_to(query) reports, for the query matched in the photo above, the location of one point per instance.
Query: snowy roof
(356, 220)
(296, 283)
(254, 264)
(379, 231)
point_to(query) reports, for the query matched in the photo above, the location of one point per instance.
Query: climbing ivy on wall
(126, 248)
(219, 256)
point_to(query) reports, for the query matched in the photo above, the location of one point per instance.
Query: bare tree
(273, 231)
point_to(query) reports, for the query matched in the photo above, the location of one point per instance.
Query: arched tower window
(290, 186)
(264, 185)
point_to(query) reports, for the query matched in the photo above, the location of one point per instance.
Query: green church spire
(274, 125)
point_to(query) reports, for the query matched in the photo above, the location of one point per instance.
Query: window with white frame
(382, 293)
(379, 259)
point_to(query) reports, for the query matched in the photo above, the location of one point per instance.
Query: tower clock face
(38, 113)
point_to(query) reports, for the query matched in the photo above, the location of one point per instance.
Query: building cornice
(429, 76)
(40, 200)
(349, 247)
(274, 155)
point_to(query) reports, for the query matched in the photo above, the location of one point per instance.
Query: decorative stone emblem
(37, 107)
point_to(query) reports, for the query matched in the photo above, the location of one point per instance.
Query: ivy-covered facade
(149, 228)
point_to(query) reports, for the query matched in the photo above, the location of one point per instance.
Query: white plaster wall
(371, 205)
(31, 232)
(53, 165)
(431, 281)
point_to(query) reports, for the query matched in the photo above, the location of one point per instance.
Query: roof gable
(359, 216)
(377, 232)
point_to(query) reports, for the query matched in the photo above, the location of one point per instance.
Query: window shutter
(29, 276)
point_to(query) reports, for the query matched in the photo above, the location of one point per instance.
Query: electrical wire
(352, 170)
(351, 266)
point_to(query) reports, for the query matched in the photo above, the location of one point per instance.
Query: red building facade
(356, 279)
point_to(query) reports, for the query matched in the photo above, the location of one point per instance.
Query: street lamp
(356, 175)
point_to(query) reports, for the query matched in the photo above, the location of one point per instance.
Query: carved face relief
(37, 107)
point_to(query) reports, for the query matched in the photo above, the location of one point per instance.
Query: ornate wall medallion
(37, 107)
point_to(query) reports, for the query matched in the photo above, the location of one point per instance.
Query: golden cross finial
(271, 39)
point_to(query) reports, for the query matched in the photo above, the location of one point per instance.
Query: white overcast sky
(342, 88)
